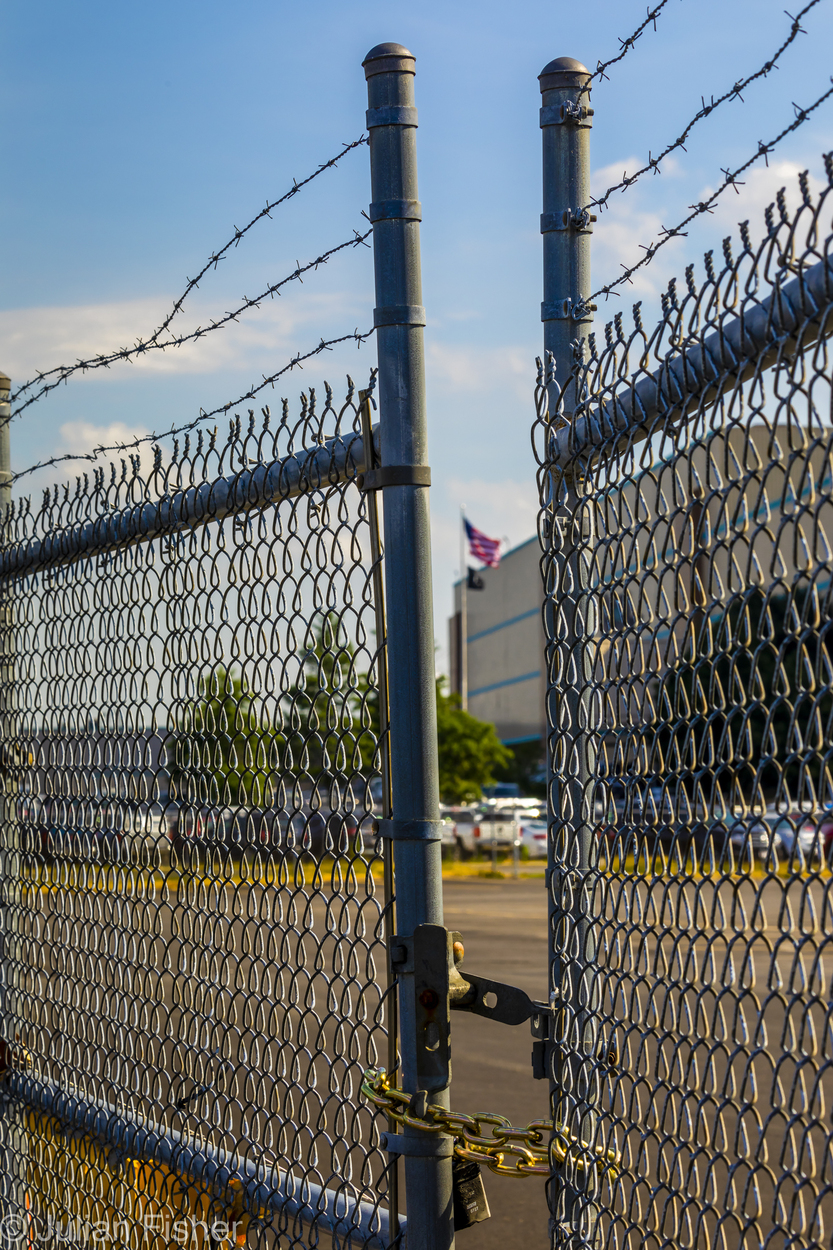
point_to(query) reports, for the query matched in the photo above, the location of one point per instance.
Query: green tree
(331, 714)
(469, 750)
(224, 750)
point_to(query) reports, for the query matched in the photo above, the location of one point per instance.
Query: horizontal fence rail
(240, 1185)
(750, 338)
(337, 461)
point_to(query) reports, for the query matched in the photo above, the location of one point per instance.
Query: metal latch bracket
(430, 959)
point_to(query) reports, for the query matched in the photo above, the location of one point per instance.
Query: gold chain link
(506, 1150)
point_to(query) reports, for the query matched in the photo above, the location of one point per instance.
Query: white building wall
(505, 645)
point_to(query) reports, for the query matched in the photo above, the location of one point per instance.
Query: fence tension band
(410, 830)
(395, 210)
(391, 115)
(422, 1147)
(395, 475)
(399, 315)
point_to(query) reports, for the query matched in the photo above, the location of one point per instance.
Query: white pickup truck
(479, 826)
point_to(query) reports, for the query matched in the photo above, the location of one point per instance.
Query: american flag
(483, 548)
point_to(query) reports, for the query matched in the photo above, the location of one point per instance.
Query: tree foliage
(469, 750)
(227, 750)
(331, 715)
(223, 750)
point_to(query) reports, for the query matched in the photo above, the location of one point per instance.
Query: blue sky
(137, 137)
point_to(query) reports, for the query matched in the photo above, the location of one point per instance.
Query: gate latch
(432, 957)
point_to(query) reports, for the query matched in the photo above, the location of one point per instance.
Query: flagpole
(464, 616)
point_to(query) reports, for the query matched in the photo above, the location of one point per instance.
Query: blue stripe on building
(510, 681)
(503, 624)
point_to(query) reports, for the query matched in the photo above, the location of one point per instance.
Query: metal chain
(527, 1148)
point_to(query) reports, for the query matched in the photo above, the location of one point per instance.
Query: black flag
(474, 581)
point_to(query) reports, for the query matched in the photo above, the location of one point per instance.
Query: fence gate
(219, 755)
(197, 892)
(687, 533)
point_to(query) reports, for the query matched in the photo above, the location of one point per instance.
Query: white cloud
(759, 189)
(479, 369)
(633, 221)
(80, 438)
(41, 338)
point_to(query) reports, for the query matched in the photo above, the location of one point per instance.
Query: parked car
(241, 830)
(814, 831)
(499, 826)
(502, 790)
(532, 835)
(743, 839)
(462, 820)
(75, 829)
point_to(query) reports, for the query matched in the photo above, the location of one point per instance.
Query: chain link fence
(687, 532)
(195, 902)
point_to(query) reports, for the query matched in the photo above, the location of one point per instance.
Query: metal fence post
(399, 318)
(13, 1180)
(566, 222)
(570, 624)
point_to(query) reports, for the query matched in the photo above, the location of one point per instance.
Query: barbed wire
(732, 93)
(625, 45)
(101, 450)
(705, 206)
(101, 361)
(178, 340)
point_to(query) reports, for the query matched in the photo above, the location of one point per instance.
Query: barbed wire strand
(104, 362)
(705, 206)
(625, 46)
(295, 362)
(67, 371)
(733, 93)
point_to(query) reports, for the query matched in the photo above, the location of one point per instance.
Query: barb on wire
(706, 206)
(734, 92)
(178, 340)
(295, 362)
(97, 362)
(625, 45)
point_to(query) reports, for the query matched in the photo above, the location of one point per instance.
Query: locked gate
(226, 983)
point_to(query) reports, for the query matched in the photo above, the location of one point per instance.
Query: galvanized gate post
(13, 1178)
(570, 623)
(399, 318)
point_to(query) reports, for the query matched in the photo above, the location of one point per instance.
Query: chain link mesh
(687, 536)
(193, 908)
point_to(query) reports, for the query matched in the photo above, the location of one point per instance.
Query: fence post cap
(388, 58)
(5, 382)
(564, 71)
